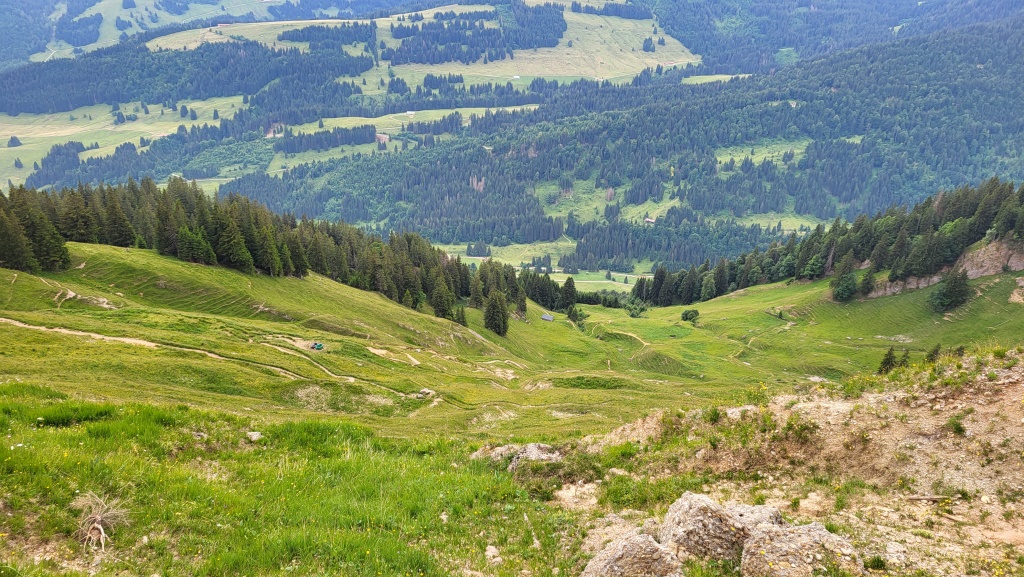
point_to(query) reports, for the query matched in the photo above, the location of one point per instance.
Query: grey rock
(519, 453)
(799, 551)
(696, 526)
(635, 555)
(751, 516)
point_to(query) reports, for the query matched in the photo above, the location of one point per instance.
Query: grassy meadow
(240, 343)
(95, 124)
(138, 377)
(144, 12)
(603, 47)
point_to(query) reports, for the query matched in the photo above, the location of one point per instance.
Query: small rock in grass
(254, 436)
(492, 555)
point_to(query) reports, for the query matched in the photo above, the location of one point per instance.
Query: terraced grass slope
(184, 333)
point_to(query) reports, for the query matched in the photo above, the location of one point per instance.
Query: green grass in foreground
(312, 497)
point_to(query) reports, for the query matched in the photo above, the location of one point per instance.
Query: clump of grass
(875, 563)
(922, 534)
(626, 492)
(713, 415)
(955, 424)
(758, 396)
(593, 383)
(799, 429)
(99, 518)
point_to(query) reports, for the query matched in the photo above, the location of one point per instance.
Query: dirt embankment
(926, 475)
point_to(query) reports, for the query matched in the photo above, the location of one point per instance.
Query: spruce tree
(460, 316)
(933, 355)
(77, 222)
(15, 248)
(867, 283)
(287, 266)
(721, 273)
(952, 292)
(267, 257)
(843, 283)
(707, 288)
(298, 254)
(441, 299)
(317, 256)
(232, 251)
(476, 292)
(888, 362)
(119, 231)
(904, 360)
(567, 297)
(496, 313)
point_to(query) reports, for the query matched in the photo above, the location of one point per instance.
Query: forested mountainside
(762, 35)
(875, 127)
(180, 220)
(65, 28)
(857, 131)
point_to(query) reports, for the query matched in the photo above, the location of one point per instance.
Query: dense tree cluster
(477, 201)
(758, 36)
(333, 37)
(466, 38)
(29, 241)
(325, 139)
(24, 30)
(179, 7)
(131, 72)
(180, 220)
(629, 11)
(478, 249)
(79, 32)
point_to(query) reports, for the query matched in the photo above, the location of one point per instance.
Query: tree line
(628, 11)
(180, 220)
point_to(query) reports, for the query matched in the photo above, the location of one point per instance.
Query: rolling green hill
(245, 342)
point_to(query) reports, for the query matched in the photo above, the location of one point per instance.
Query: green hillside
(237, 341)
(137, 376)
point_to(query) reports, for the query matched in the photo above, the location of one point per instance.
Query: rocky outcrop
(696, 526)
(993, 258)
(635, 555)
(519, 453)
(774, 551)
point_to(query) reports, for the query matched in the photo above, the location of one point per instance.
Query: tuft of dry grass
(99, 518)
